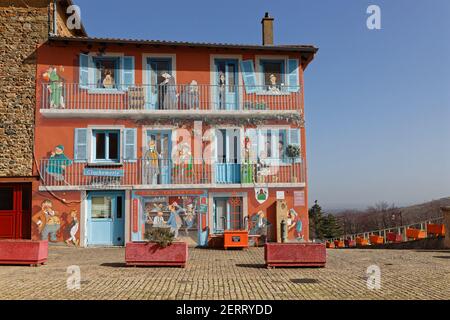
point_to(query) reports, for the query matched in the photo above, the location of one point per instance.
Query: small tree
(315, 221)
(330, 227)
(162, 236)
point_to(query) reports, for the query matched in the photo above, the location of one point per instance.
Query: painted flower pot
(295, 254)
(362, 242)
(339, 244)
(374, 239)
(350, 243)
(437, 230)
(415, 234)
(152, 254)
(393, 237)
(23, 252)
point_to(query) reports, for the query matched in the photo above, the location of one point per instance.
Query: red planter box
(330, 245)
(415, 234)
(339, 244)
(235, 239)
(350, 243)
(151, 254)
(436, 230)
(394, 237)
(295, 254)
(23, 252)
(374, 239)
(362, 242)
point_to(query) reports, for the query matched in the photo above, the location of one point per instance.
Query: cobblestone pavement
(217, 274)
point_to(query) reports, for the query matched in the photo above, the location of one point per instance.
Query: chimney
(267, 30)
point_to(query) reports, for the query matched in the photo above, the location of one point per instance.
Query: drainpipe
(54, 31)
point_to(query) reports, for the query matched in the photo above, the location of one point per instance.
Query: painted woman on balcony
(58, 163)
(151, 164)
(222, 91)
(168, 98)
(190, 97)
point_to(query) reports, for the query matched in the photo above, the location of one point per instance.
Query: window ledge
(269, 93)
(105, 91)
(105, 164)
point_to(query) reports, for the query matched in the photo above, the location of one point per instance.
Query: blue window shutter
(130, 145)
(84, 71)
(249, 76)
(127, 72)
(80, 145)
(293, 76)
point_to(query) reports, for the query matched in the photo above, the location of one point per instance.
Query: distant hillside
(383, 216)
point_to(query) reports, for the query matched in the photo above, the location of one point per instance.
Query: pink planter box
(151, 254)
(23, 252)
(350, 243)
(295, 254)
(394, 237)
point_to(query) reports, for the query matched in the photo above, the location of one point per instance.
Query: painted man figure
(175, 222)
(260, 225)
(57, 164)
(47, 221)
(151, 162)
(55, 88)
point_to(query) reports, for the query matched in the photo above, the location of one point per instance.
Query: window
(7, 198)
(101, 207)
(271, 144)
(273, 73)
(106, 72)
(227, 213)
(106, 144)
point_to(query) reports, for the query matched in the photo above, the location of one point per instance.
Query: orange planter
(339, 244)
(235, 239)
(415, 234)
(330, 245)
(374, 239)
(436, 230)
(362, 242)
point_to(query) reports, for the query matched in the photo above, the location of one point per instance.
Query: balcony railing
(57, 173)
(73, 96)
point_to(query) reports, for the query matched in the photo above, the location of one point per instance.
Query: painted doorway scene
(185, 215)
(228, 157)
(106, 219)
(161, 91)
(15, 211)
(157, 163)
(226, 84)
(228, 214)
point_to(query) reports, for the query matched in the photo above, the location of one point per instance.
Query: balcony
(146, 101)
(167, 174)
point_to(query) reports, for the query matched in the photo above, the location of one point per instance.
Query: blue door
(228, 166)
(106, 219)
(155, 68)
(161, 141)
(226, 84)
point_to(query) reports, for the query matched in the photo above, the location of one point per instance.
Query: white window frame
(260, 78)
(91, 145)
(92, 69)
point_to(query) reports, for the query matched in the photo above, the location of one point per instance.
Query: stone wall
(21, 30)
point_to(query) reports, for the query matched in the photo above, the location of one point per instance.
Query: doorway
(15, 211)
(228, 167)
(226, 84)
(106, 219)
(156, 67)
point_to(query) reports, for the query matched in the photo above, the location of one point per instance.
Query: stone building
(24, 26)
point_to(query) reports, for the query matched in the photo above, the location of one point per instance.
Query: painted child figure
(73, 229)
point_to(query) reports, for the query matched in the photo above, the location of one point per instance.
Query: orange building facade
(199, 138)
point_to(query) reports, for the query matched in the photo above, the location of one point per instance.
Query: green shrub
(162, 236)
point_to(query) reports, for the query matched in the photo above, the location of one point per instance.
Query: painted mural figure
(175, 222)
(190, 97)
(158, 221)
(151, 164)
(108, 82)
(47, 221)
(260, 225)
(58, 163)
(247, 168)
(184, 162)
(273, 86)
(222, 91)
(293, 221)
(168, 97)
(189, 218)
(73, 228)
(55, 88)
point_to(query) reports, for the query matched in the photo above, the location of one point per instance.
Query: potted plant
(293, 152)
(159, 249)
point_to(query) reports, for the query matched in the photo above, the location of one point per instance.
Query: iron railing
(62, 173)
(73, 96)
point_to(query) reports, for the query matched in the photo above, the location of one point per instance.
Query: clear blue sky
(377, 102)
